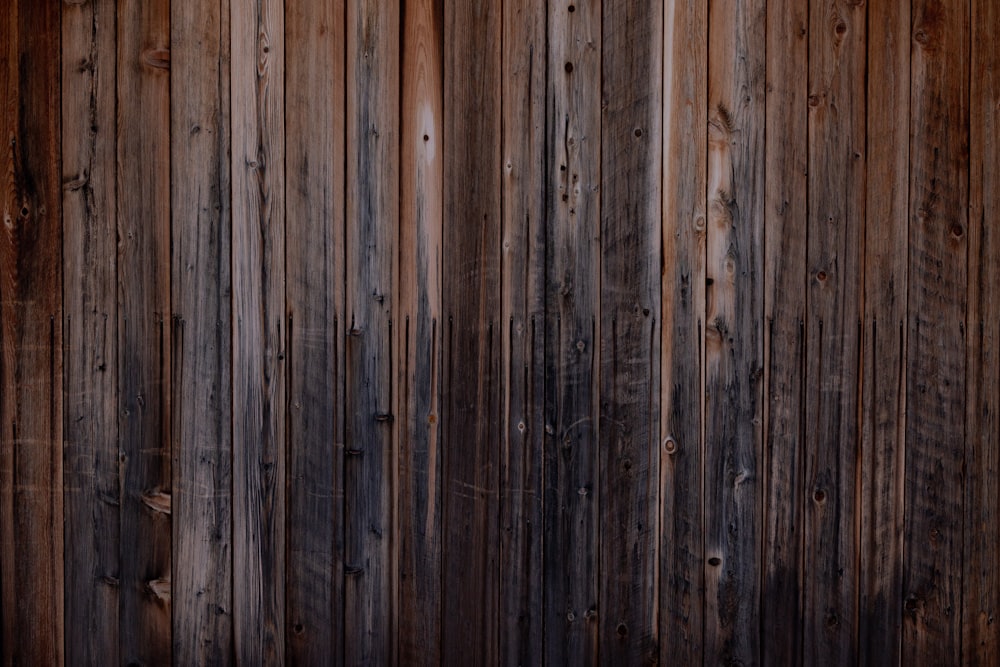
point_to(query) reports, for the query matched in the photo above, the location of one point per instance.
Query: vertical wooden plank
(472, 337)
(837, 57)
(981, 579)
(373, 40)
(685, 141)
(31, 338)
(91, 481)
(144, 328)
(935, 379)
(314, 251)
(202, 595)
(884, 337)
(419, 334)
(734, 331)
(523, 332)
(785, 215)
(630, 303)
(259, 333)
(573, 300)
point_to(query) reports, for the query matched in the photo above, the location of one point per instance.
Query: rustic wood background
(470, 332)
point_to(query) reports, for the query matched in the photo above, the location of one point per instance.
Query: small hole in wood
(638, 132)
(572, 8)
(426, 138)
(569, 67)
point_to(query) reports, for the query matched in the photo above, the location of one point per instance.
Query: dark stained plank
(785, 213)
(522, 321)
(572, 181)
(373, 41)
(630, 303)
(419, 334)
(259, 331)
(936, 337)
(201, 408)
(734, 337)
(314, 250)
(981, 577)
(835, 255)
(472, 338)
(31, 337)
(90, 322)
(880, 600)
(144, 336)
(685, 141)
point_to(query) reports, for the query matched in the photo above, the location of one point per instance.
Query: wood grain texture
(259, 336)
(315, 206)
(685, 141)
(31, 337)
(734, 354)
(785, 222)
(880, 598)
(144, 336)
(418, 504)
(91, 484)
(201, 235)
(936, 337)
(573, 330)
(630, 302)
(471, 286)
(981, 578)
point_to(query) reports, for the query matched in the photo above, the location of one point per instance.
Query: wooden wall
(470, 332)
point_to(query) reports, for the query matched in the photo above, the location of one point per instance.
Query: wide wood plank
(472, 389)
(31, 337)
(572, 336)
(936, 337)
(734, 339)
(144, 336)
(314, 251)
(685, 143)
(259, 331)
(419, 334)
(90, 322)
(630, 303)
(201, 408)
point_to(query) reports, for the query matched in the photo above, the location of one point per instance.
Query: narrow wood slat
(685, 141)
(572, 180)
(314, 289)
(202, 595)
(471, 393)
(734, 339)
(421, 169)
(630, 303)
(259, 335)
(144, 349)
(90, 322)
(936, 337)
(31, 337)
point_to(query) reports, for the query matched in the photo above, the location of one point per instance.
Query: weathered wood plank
(884, 335)
(373, 41)
(734, 338)
(630, 303)
(572, 180)
(259, 330)
(31, 337)
(685, 140)
(90, 322)
(785, 215)
(472, 389)
(981, 578)
(144, 349)
(835, 255)
(202, 595)
(936, 337)
(419, 334)
(314, 250)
